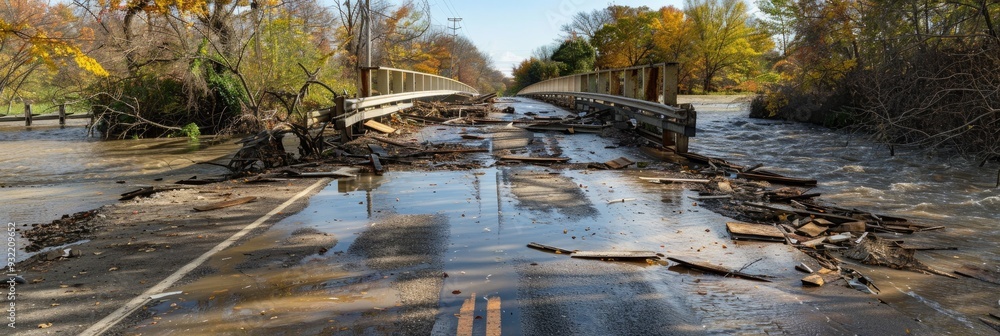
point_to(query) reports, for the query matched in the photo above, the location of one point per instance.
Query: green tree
(576, 56)
(532, 71)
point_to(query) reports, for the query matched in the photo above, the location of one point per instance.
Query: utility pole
(368, 32)
(454, 38)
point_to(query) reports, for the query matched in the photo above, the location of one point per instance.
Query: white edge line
(118, 315)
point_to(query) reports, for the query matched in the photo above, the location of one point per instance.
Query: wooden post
(669, 76)
(62, 114)
(27, 114)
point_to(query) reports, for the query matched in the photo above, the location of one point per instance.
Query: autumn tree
(725, 38)
(37, 37)
(628, 41)
(533, 70)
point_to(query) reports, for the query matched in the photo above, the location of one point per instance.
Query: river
(47, 171)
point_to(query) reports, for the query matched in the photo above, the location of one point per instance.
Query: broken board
(615, 254)
(377, 150)
(549, 248)
(673, 180)
(342, 172)
(533, 159)
(748, 231)
(375, 125)
(619, 163)
(980, 274)
(226, 204)
(706, 267)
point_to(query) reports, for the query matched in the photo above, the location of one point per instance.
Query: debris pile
(69, 228)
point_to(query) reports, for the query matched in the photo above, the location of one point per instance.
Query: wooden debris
(805, 213)
(812, 230)
(615, 254)
(850, 227)
(195, 181)
(620, 200)
(534, 159)
(377, 150)
(821, 221)
(549, 248)
(143, 192)
(979, 274)
(839, 238)
(619, 163)
(993, 324)
(813, 243)
(396, 143)
(725, 187)
(710, 197)
(775, 178)
(226, 204)
(376, 164)
(380, 127)
(813, 280)
(674, 180)
(706, 267)
(342, 172)
(802, 267)
(472, 137)
(748, 231)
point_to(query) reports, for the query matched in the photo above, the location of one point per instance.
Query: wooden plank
(493, 316)
(376, 164)
(615, 255)
(377, 150)
(706, 267)
(751, 231)
(673, 180)
(619, 163)
(805, 213)
(812, 230)
(472, 137)
(549, 248)
(375, 125)
(980, 274)
(779, 179)
(226, 204)
(396, 143)
(143, 192)
(533, 159)
(710, 197)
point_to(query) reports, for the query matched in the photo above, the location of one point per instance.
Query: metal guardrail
(386, 90)
(647, 94)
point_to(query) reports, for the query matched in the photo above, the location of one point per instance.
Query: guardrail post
(27, 114)
(62, 114)
(339, 112)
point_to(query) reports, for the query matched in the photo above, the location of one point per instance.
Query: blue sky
(508, 30)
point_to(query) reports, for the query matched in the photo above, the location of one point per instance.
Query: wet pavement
(423, 252)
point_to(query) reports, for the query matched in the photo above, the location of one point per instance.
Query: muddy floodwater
(47, 171)
(415, 252)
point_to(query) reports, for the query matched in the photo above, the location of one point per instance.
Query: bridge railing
(383, 91)
(646, 94)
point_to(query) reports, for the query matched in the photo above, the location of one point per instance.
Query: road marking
(465, 316)
(493, 316)
(118, 315)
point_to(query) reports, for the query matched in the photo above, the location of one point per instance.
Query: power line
(454, 26)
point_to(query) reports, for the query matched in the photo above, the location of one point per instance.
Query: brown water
(49, 171)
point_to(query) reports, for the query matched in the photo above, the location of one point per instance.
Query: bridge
(643, 95)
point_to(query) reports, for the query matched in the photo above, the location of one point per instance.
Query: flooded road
(48, 171)
(445, 253)
(489, 215)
